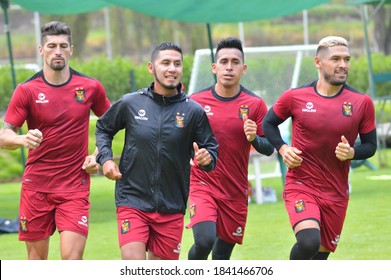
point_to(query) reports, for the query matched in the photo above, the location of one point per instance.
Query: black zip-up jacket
(158, 146)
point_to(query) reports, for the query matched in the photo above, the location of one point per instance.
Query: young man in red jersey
(219, 199)
(327, 116)
(56, 104)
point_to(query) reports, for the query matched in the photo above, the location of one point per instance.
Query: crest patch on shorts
(23, 223)
(125, 226)
(299, 206)
(192, 210)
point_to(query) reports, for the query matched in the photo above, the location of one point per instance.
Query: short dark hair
(55, 28)
(230, 43)
(165, 46)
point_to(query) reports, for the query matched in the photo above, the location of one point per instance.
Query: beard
(57, 66)
(166, 86)
(333, 80)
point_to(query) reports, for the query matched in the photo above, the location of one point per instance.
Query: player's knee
(205, 242)
(308, 241)
(204, 236)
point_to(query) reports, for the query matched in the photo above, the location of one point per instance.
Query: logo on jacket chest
(180, 120)
(141, 115)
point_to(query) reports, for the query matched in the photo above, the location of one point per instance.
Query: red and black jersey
(318, 122)
(230, 177)
(61, 113)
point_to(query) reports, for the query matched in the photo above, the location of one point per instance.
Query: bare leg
(72, 245)
(306, 224)
(134, 251)
(38, 250)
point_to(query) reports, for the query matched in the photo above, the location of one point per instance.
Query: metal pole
(241, 32)
(372, 92)
(364, 14)
(305, 27)
(211, 46)
(37, 28)
(108, 37)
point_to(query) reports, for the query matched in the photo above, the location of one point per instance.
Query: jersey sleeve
(17, 110)
(368, 123)
(282, 107)
(101, 102)
(261, 112)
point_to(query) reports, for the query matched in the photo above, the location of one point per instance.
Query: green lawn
(366, 235)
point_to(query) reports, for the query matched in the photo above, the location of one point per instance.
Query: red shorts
(161, 232)
(330, 214)
(229, 215)
(40, 214)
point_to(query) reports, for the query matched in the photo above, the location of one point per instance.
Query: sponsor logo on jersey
(41, 98)
(299, 206)
(180, 120)
(208, 110)
(80, 94)
(309, 108)
(243, 110)
(347, 109)
(125, 226)
(141, 115)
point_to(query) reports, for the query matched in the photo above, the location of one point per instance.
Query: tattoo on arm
(10, 126)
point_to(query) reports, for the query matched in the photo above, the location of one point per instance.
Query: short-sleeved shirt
(230, 177)
(61, 113)
(318, 122)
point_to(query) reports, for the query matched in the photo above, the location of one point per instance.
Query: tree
(382, 29)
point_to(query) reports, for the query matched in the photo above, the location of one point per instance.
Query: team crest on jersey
(80, 94)
(244, 110)
(299, 206)
(347, 109)
(125, 226)
(192, 210)
(23, 223)
(180, 120)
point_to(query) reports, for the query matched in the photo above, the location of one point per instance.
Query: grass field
(366, 235)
